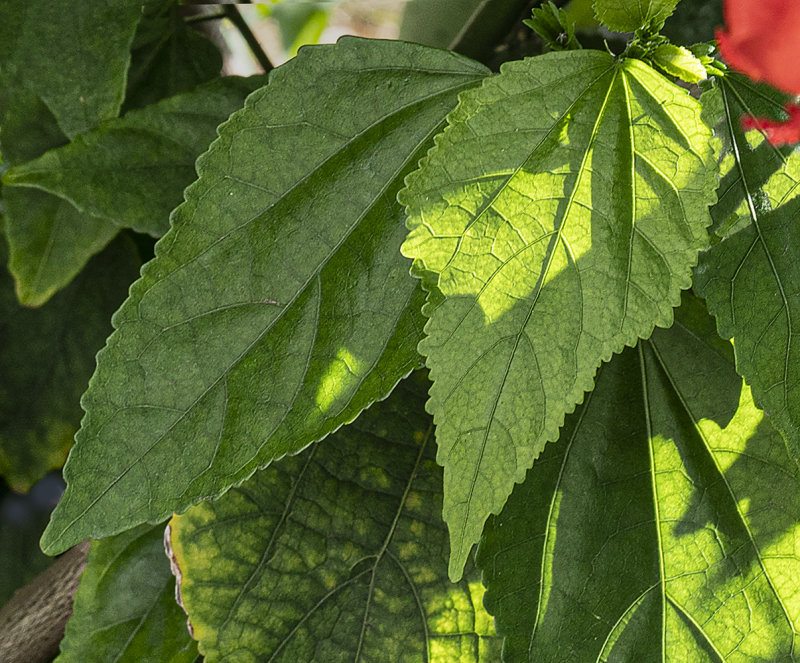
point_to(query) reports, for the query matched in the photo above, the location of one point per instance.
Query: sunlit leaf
(750, 277)
(278, 305)
(338, 554)
(125, 610)
(555, 222)
(630, 15)
(663, 524)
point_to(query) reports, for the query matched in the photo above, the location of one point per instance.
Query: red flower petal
(777, 133)
(762, 40)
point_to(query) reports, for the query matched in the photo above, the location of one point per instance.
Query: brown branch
(32, 622)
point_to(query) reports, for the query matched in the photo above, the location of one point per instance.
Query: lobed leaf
(663, 526)
(339, 554)
(750, 277)
(124, 610)
(105, 172)
(628, 15)
(46, 359)
(278, 306)
(555, 222)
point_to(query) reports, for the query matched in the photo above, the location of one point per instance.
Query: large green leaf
(125, 610)
(630, 15)
(277, 306)
(663, 525)
(105, 171)
(750, 277)
(555, 222)
(46, 358)
(339, 554)
(167, 56)
(72, 55)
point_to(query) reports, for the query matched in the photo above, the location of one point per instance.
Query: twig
(236, 18)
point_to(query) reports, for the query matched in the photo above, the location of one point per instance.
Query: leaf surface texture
(278, 306)
(556, 221)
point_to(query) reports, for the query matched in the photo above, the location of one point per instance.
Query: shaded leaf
(694, 21)
(627, 16)
(167, 57)
(132, 170)
(46, 358)
(663, 525)
(278, 306)
(750, 278)
(125, 610)
(339, 554)
(72, 56)
(555, 222)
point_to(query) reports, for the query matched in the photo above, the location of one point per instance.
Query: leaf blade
(603, 272)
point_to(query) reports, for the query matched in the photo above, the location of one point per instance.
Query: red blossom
(777, 133)
(762, 40)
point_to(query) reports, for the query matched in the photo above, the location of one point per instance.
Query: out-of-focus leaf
(22, 520)
(46, 358)
(630, 15)
(751, 277)
(125, 609)
(556, 220)
(277, 306)
(167, 57)
(132, 170)
(72, 55)
(663, 525)
(693, 21)
(338, 554)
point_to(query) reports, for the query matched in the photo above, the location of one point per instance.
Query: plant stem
(236, 18)
(199, 18)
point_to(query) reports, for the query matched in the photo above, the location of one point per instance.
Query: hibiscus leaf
(758, 260)
(662, 526)
(46, 359)
(278, 306)
(167, 56)
(627, 16)
(103, 172)
(339, 554)
(125, 610)
(72, 56)
(555, 222)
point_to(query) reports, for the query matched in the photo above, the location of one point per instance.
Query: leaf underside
(338, 554)
(556, 221)
(277, 306)
(757, 260)
(663, 525)
(124, 610)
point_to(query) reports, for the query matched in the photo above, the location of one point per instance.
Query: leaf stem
(236, 18)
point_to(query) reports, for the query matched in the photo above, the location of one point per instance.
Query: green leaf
(46, 359)
(125, 609)
(663, 526)
(694, 21)
(278, 305)
(167, 57)
(339, 554)
(750, 281)
(630, 15)
(554, 27)
(555, 222)
(105, 171)
(72, 55)
(679, 62)
(49, 240)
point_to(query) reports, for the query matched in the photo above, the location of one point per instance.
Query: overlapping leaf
(627, 15)
(339, 554)
(132, 170)
(555, 222)
(663, 525)
(125, 610)
(46, 358)
(752, 275)
(277, 306)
